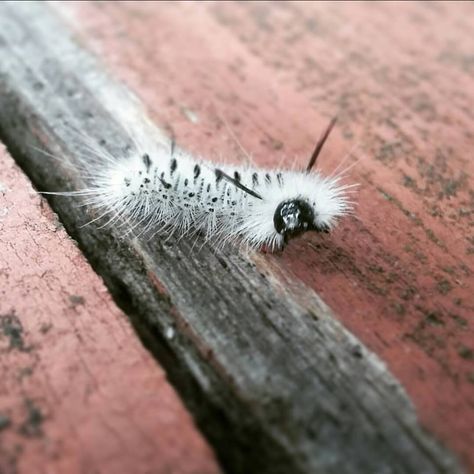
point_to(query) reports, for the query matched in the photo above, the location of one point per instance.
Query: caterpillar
(164, 189)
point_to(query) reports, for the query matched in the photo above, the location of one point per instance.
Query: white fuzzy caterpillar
(159, 188)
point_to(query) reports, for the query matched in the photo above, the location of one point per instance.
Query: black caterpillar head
(295, 216)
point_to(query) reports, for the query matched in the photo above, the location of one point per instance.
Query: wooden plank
(400, 276)
(78, 391)
(272, 378)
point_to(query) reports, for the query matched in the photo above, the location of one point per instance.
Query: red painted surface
(401, 78)
(78, 392)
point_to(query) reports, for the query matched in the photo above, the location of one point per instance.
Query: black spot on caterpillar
(147, 162)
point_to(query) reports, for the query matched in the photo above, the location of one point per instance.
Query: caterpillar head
(290, 203)
(295, 216)
(305, 203)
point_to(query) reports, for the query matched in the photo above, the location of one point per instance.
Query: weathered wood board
(78, 391)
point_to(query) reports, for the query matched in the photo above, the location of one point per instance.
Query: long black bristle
(320, 144)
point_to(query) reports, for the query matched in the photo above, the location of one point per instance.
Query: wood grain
(78, 391)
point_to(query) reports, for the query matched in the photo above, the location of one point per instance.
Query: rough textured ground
(400, 77)
(78, 392)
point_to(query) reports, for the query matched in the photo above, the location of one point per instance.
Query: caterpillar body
(167, 190)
